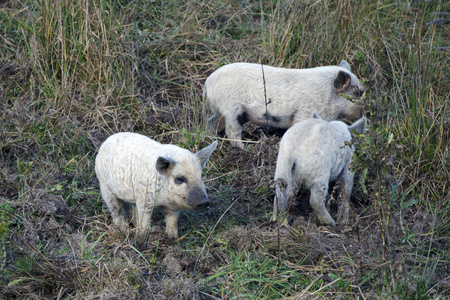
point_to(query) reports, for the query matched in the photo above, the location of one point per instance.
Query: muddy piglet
(313, 153)
(137, 175)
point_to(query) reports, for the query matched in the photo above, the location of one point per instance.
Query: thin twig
(211, 232)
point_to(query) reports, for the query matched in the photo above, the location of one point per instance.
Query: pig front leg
(318, 198)
(233, 128)
(172, 223)
(143, 215)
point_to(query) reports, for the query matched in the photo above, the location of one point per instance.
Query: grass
(73, 73)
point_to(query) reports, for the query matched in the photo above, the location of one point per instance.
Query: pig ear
(316, 116)
(164, 164)
(359, 126)
(342, 82)
(345, 65)
(204, 154)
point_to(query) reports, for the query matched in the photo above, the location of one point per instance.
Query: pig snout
(370, 107)
(204, 202)
(197, 198)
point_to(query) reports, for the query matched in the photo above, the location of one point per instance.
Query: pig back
(125, 164)
(318, 147)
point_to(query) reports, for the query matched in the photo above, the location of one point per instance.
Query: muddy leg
(319, 193)
(115, 207)
(283, 192)
(172, 223)
(346, 180)
(143, 217)
(233, 130)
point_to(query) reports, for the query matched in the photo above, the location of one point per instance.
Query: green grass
(73, 73)
(250, 276)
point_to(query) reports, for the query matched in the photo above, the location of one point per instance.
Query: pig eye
(180, 180)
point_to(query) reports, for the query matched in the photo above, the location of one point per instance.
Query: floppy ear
(342, 82)
(316, 116)
(345, 65)
(358, 126)
(204, 154)
(164, 164)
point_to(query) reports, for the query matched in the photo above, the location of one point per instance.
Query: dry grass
(72, 73)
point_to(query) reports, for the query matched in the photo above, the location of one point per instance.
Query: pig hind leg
(281, 199)
(319, 192)
(346, 181)
(117, 208)
(285, 186)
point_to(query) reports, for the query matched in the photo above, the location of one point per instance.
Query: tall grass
(420, 110)
(75, 52)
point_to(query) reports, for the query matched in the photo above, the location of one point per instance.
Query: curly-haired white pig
(137, 174)
(235, 93)
(313, 153)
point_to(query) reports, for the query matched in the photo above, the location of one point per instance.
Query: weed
(252, 276)
(4, 222)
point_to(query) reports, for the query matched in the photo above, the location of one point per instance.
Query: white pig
(235, 93)
(137, 174)
(313, 153)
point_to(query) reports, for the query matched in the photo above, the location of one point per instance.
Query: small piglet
(236, 94)
(138, 174)
(313, 153)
